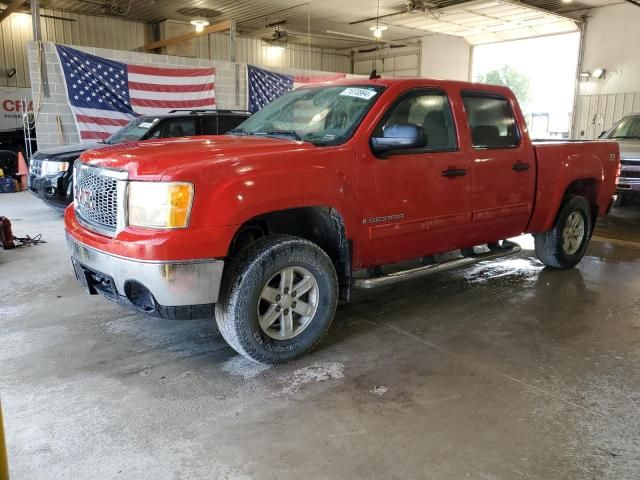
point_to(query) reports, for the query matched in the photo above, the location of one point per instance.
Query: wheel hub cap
(573, 233)
(288, 303)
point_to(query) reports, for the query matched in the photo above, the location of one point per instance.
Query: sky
(549, 62)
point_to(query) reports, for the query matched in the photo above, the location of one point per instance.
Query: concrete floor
(503, 371)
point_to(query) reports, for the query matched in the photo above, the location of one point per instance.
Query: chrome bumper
(178, 283)
(628, 185)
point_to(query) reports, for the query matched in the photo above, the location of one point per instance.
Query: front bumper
(170, 289)
(56, 190)
(628, 184)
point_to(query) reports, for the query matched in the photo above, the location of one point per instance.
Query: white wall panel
(595, 113)
(446, 57)
(611, 42)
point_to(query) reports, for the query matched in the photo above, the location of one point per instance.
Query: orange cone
(23, 171)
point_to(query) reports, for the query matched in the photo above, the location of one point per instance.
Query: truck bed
(561, 163)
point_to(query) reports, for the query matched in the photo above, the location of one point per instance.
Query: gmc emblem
(84, 198)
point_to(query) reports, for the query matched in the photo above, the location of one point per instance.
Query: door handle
(520, 167)
(454, 172)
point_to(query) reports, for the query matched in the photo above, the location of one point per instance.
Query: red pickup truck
(348, 184)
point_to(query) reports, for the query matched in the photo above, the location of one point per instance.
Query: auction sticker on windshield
(363, 93)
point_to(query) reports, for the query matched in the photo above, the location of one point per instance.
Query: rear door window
(178, 127)
(229, 122)
(491, 121)
(209, 125)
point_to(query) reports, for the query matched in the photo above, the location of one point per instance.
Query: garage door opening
(541, 72)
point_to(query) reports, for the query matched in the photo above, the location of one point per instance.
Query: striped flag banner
(265, 86)
(105, 95)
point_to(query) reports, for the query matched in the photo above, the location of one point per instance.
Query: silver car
(627, 133)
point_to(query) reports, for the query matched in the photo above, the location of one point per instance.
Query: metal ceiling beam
(13, 7)
(216, 28)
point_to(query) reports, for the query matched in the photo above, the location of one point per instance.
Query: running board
(507, 249)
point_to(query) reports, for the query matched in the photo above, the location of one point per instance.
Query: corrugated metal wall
(15, 32)
(255, 51)
(75, 29)
(114, 33)
(596, 113)
(398, 62)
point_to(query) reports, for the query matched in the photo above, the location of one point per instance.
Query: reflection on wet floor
(622, 223)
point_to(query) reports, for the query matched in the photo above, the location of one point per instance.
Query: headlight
(50, 167)
(160, 204)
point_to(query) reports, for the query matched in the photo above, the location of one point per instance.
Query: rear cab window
(491, 120)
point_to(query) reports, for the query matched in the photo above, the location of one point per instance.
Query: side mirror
(602, 134)
(399, 137)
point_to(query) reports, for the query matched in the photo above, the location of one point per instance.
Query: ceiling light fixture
(567, 1)
(199, 24)
(599, 72)
(377, 30)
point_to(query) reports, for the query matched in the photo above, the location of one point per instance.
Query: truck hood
(154, 159)
(629, 148)
(65, 150)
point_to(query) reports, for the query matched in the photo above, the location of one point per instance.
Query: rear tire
(564, 245)
(261, 314)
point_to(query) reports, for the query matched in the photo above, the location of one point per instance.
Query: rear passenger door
(502, 167)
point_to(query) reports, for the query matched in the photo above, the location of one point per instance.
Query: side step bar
(507, 249)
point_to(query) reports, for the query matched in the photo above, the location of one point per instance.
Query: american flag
(265, 86)
(104, 94)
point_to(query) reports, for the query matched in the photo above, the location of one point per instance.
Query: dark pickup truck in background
(51, 170)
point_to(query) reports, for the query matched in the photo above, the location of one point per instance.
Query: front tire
(564, 245)
(278, 299)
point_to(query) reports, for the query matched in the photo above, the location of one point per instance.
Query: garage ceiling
(485, 21)
(479, 21)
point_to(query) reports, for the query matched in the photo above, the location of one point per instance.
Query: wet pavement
(504, 370)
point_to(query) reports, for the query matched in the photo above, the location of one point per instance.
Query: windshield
(325, 115)
(134, 130)
(628, 127)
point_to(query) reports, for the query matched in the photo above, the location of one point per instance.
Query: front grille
(631, 162)
(628, 174)
(96, 197)
(36, 167)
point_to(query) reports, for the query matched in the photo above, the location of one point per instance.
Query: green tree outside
(508, 77)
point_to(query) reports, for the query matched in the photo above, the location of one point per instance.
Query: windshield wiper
(237, 131)
(626, 137)
(280, 133)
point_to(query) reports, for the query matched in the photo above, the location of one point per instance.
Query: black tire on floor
(239, 303)
(549, 245)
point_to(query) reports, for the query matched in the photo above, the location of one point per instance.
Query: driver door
(415, 203)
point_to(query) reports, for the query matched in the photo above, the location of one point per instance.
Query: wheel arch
(323, 225)
(588, 188)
